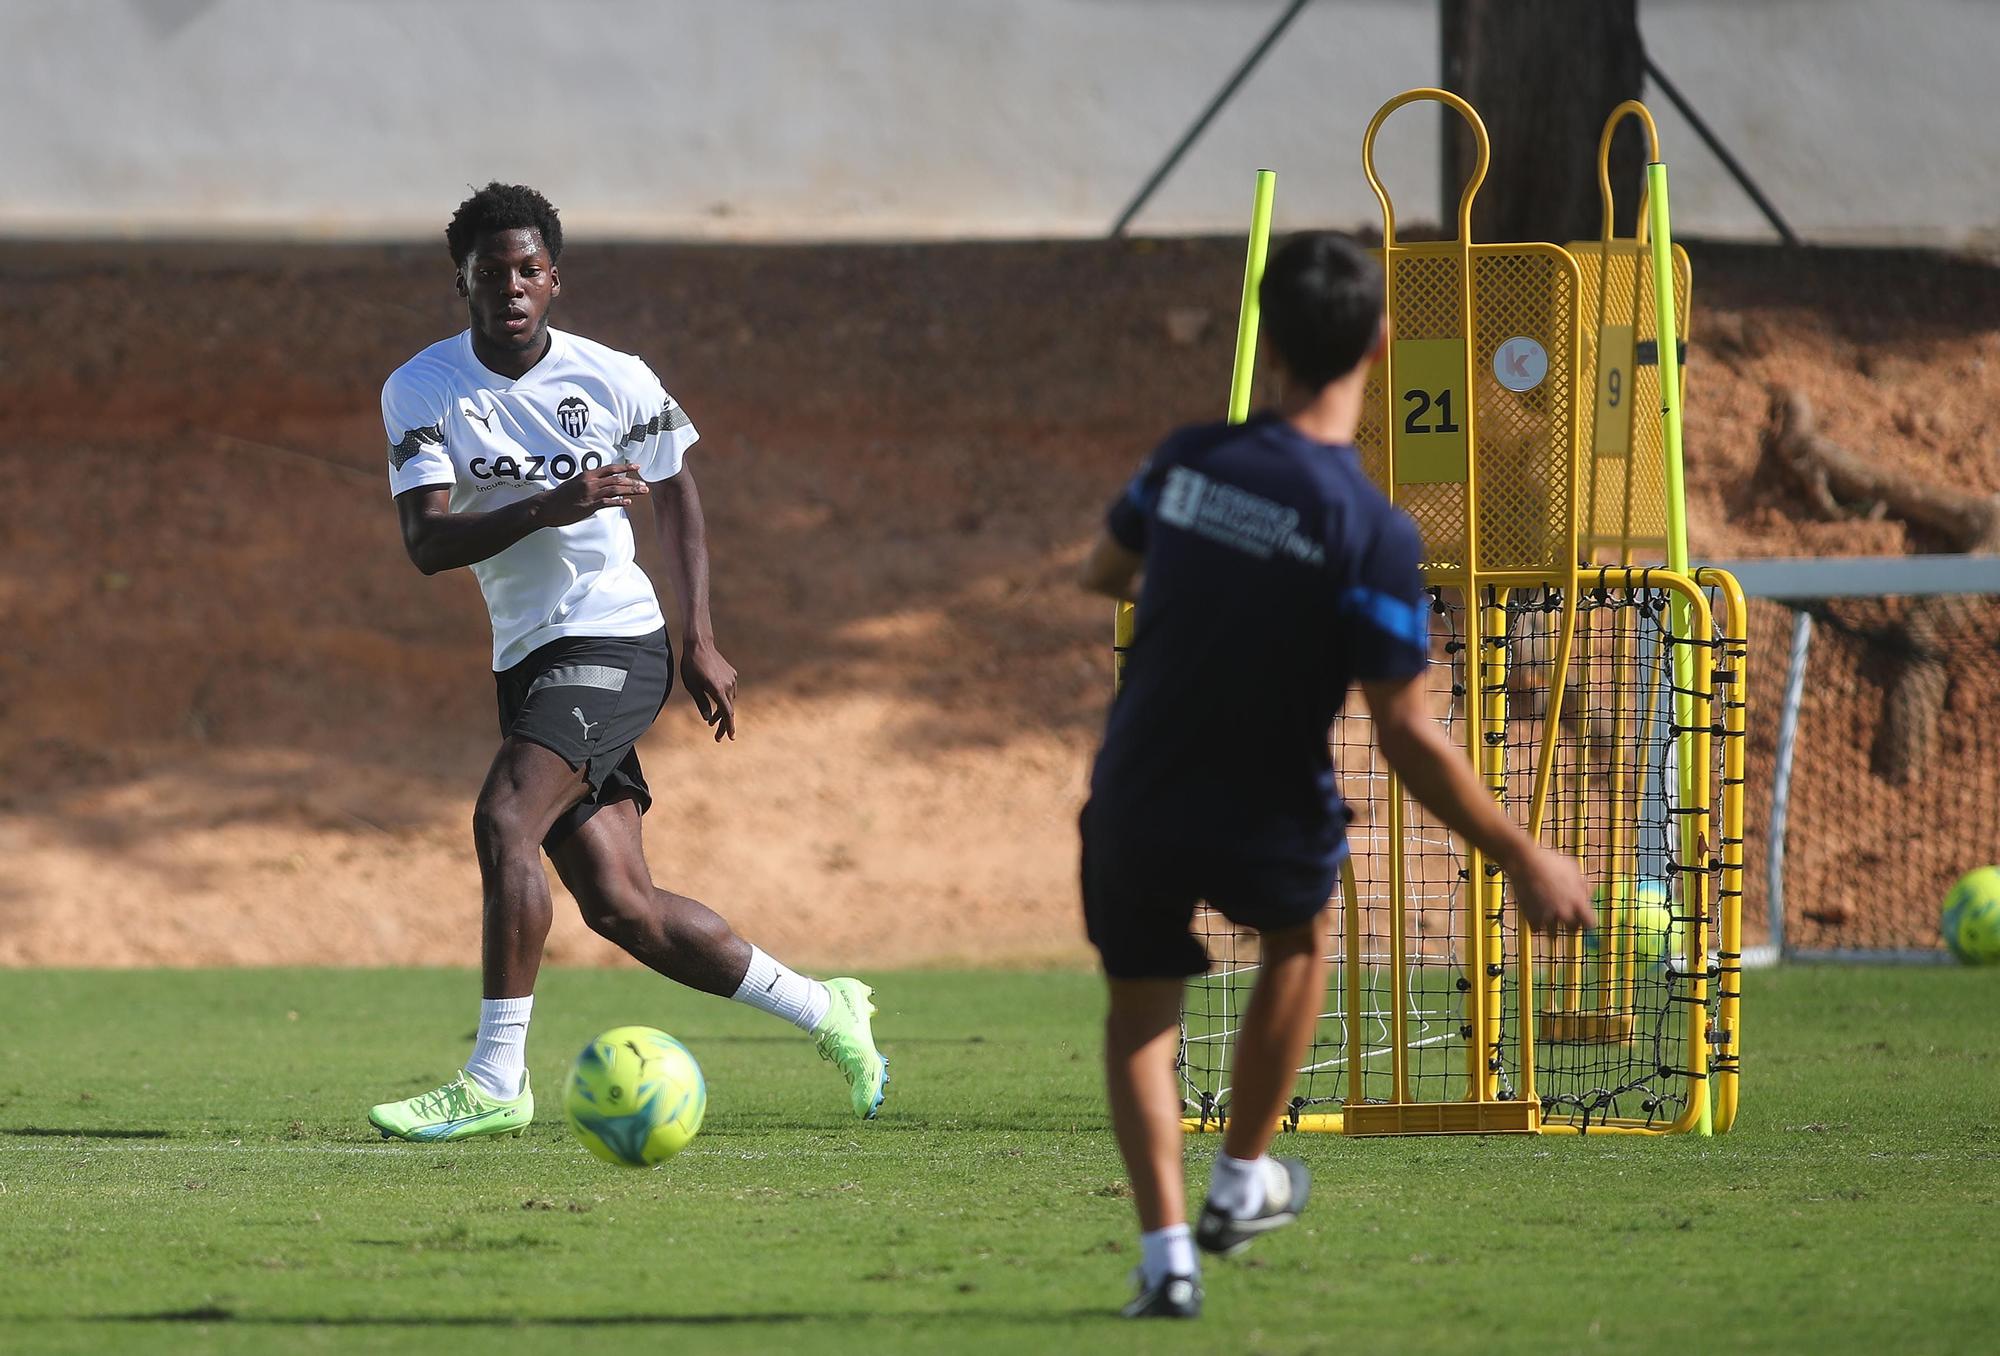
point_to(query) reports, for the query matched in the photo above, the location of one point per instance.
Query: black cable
(1227, 92)
(1714, 143)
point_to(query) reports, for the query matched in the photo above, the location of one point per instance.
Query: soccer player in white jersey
(518, 450)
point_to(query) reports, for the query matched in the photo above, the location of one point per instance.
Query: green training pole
(1241, 377)
(1667, 332)
(1244, 375)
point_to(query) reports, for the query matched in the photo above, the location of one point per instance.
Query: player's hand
(614, 486)
(1550, 891)
(711, 681)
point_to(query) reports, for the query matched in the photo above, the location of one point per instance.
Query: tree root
(1840, 484)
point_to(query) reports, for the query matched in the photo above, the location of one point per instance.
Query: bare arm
(438, 539)
(1547, 884)
(1111, 570)
(710, 679)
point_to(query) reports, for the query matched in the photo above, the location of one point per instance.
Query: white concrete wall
(1863, 120)
(911, 118)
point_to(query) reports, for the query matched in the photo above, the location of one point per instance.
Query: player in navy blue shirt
(1275, 576)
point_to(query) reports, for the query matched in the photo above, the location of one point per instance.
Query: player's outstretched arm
(438, 539)
(710, 679)
(1547, 884)
(1112, 570)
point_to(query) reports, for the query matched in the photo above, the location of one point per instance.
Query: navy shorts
(587, 699)
(1140, 889)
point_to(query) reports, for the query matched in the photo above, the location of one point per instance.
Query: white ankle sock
(498, 1060)
(770, 987)
(1167, 1252)
(1236, 1186)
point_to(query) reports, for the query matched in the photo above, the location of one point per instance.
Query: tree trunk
(1544, 75)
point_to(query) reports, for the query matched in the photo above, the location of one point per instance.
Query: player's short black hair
(502, 207)
(1322, 301)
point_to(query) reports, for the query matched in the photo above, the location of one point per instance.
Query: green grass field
(184, 1167)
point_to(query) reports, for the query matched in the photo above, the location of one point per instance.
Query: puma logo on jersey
(587, 725)
(485, 420)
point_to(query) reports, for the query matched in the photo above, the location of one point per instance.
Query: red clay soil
(239, 727)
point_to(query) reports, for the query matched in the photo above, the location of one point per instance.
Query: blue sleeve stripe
(1395, 617)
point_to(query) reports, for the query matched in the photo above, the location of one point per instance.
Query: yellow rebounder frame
(1490, 330)
(1731, 614)
(1625, 506)
(1630, 520)
(1625, 459)
(1478, 425)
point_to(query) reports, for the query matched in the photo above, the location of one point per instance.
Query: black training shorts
(1140, 889)
(587, 699)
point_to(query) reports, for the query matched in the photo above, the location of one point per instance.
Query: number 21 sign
(1428, 414)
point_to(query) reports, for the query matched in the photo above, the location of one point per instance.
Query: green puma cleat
(845, 1037)
(458, 1110)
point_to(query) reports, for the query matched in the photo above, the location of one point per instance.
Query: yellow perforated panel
(1523, 298)
(1624, 479)
(1524, 449)
(1424, 292)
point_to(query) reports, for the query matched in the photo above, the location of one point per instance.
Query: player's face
(508, 283)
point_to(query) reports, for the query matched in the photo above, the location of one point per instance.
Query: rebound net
(1617, 1015)
(1892, 791)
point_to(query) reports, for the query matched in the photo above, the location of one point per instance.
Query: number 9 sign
(1612, 436)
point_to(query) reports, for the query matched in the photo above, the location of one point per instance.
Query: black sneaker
(1226, 1235)
(1173, 1297)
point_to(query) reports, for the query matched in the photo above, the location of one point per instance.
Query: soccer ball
(1640, 918)
(635, 1096)
(1971, 921)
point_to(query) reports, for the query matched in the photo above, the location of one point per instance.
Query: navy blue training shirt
(1275, 575)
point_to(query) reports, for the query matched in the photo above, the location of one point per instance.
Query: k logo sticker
(574, 415)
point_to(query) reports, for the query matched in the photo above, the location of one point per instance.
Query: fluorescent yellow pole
(1667, 333)
(1241, 377)
(1244, 374)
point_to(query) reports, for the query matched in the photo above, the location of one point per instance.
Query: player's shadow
(216, 1314)
(69, 1132)
(208, 1314)
(783, 1038)
(1095, 1124)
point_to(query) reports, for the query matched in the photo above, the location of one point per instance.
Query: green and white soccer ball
(635, 1096)
(1638, 916)
(1971, 921)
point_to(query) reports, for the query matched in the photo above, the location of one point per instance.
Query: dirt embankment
(238, 727)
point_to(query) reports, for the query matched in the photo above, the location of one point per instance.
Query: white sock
(1236, 1186)
(498, 1062)
(1167, 1252)
(770, 987)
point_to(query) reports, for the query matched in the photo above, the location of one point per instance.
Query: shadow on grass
(216, 1314)
(889, 1043)
(1096, 1122)
(61, 1132)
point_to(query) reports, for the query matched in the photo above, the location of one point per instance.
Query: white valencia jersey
(497, 440)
